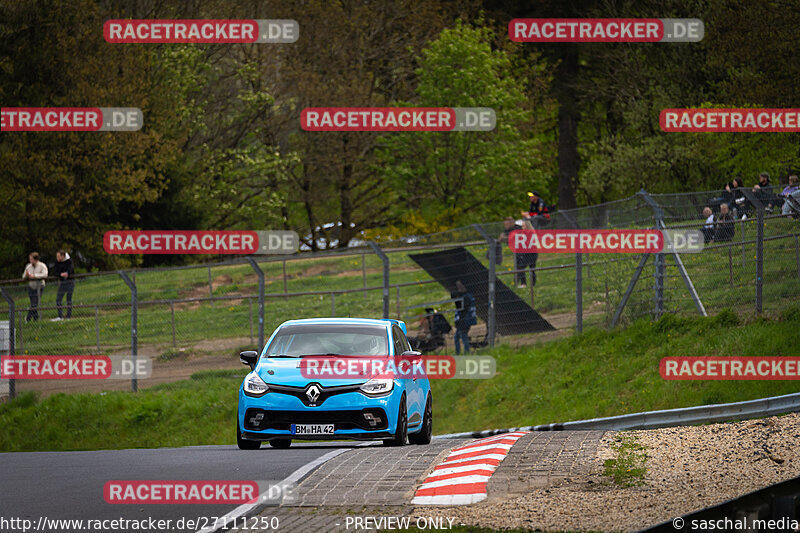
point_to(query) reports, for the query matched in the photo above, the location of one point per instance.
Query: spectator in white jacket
(35, 272)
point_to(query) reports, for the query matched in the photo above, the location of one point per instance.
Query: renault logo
(313, 394)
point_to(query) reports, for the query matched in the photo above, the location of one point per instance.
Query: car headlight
(377, 386)
(253, 384)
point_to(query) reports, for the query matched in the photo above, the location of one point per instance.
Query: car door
(413, 389)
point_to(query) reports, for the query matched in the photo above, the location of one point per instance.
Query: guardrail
(686, 416)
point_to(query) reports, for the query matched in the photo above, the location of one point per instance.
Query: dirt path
(163, 372)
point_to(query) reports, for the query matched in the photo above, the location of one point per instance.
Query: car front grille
(283, 420)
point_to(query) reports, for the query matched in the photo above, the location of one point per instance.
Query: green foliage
(472, 175)
(628, 468)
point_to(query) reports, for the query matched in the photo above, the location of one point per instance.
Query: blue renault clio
(279, 402)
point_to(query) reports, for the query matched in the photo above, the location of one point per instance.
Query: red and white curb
(462, 477)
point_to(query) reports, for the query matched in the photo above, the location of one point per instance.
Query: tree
(465, 176)
(60, 189)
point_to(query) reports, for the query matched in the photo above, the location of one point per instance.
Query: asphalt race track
(69, 485)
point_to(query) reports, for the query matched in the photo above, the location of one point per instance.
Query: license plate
(312, 429)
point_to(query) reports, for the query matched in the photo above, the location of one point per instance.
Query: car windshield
(328, 339)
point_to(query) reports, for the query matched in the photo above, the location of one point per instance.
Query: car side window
(406, 345)
(397, 337)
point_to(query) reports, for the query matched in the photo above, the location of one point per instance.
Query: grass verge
(628, 468)
(598, 373)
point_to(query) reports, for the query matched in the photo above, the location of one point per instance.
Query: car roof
(343, 321)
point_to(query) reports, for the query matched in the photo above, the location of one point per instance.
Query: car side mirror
(249, 358)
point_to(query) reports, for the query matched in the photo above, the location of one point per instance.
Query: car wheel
(401, 431)
(426, 432)
(245, 444)
(280, 443)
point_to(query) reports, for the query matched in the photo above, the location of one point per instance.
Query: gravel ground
(688, 468)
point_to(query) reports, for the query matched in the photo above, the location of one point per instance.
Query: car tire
(401, 430)
(245, 444)
(425, 434)
(281, 444)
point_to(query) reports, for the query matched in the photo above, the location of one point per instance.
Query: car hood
(286, 371)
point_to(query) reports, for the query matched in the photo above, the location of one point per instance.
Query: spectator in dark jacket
(732, 195)
(764, 191)
(65, 272)
(509, 225)
(538, 214)
(725, 225)
(466, 316)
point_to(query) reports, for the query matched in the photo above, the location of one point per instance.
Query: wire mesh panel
(197, 318)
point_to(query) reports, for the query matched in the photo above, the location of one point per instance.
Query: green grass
(598, 373)
(605, 373)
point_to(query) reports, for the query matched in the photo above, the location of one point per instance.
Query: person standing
(35, 273)
(509, 225)
(65, 272)
(466, 316)
(538, 215)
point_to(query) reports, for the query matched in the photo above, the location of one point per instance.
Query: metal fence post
(578, 280)
(250, 305)
(660, 262)
(579, 292)
(660, 267)
(260, 274)
(364, 273)
(210, 286)
(97, 327)
(333, 304)
(134, 325)
(744, 255)
(385, 259)
(12, 385)
(172, 312)
(760, 261)
(492, 242)
(797, 254)
(285, 281)
(753, 199)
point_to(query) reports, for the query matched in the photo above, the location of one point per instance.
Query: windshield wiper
(283, 355)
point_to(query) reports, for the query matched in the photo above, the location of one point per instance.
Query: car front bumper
(345, 411)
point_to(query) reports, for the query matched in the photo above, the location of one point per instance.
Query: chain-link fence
(199, 317)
